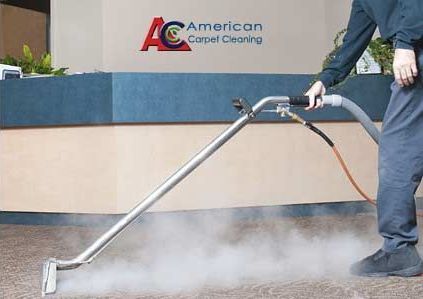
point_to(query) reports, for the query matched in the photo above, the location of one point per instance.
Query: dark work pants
(401, 164)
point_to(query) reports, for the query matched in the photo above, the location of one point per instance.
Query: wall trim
(247, 213)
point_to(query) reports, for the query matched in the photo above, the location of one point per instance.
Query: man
(401, 142)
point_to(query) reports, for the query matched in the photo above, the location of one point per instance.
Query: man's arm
(360, 31)
(410, 30)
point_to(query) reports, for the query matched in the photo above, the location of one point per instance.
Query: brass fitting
(296, 117)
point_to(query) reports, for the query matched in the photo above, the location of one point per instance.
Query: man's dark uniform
(401, 143)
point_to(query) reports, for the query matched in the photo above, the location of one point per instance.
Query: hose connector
(333, 100)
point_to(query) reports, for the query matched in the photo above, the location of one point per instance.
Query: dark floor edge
(248, 213)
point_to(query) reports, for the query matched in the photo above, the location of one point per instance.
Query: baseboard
(300, 210)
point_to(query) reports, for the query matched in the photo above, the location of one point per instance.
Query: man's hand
(405, 67)
(317, 89)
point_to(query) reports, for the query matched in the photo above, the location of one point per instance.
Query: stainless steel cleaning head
(49, 277)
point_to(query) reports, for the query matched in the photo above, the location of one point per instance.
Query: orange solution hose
(341, 161)
(353, 182)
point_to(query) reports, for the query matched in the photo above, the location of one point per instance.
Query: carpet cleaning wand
(248, 113)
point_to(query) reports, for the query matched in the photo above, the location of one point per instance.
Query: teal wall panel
(116, 98)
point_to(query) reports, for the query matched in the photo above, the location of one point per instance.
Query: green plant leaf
(60, 72)
(27, 54)
(9, 60)
(383, 53)
(46, 60)
(43, 66)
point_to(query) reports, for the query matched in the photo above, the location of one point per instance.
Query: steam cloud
(175, 254)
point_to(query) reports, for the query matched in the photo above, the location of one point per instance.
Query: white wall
(108, 34)
(77, 34)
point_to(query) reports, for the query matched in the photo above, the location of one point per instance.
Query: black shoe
(404, 262)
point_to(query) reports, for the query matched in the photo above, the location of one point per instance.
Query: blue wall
(113, 98)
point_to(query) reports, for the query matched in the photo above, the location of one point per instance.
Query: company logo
(165, 37)
(170, 36)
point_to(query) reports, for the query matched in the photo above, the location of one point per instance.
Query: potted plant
(34, 67)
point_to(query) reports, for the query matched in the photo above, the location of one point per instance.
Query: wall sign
(179, 36)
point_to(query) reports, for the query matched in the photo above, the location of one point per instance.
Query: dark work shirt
(399, 21)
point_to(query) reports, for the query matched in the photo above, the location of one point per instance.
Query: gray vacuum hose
(362, 117)
(339, 101)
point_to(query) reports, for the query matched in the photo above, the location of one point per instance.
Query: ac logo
(165, 37)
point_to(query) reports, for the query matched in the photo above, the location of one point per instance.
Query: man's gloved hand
(317, 89)
(405, 67)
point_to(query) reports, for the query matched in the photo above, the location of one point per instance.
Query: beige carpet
(269, 257)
